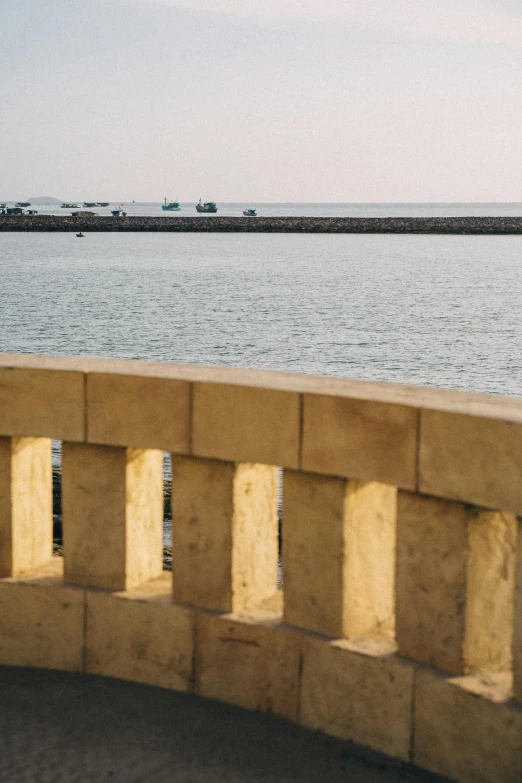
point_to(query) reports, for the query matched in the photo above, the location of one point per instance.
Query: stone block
(338, 554)
(41, 403)
(26, 513)
(454, 585)
(467, 730)
(138, 412)
(141, 635)
(251, 661)
(41, 620)
(224, 533)
(361, 439)
(361, 693)
(472, 459)
(246, 424)
(112, 502)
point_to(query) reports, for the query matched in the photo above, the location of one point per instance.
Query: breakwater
(312, 225)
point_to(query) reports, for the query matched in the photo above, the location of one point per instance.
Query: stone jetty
(297, 225)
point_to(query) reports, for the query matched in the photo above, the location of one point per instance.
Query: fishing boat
(69, 206)
(23, 204)
(80, 234)
(89, 203)
(249, 213)
(119, 212)
(208, 206)
(3, 205)
(172, 206)
(101, 204)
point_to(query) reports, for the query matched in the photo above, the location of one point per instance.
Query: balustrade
(399, 625)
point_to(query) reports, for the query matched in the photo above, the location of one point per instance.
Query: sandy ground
(57, 727)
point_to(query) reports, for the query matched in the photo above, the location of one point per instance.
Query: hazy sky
(261, 100)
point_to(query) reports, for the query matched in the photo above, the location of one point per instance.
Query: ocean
(432, 310)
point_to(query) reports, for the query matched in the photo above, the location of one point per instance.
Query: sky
(273, 100)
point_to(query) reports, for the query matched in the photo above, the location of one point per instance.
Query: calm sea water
(436, 310)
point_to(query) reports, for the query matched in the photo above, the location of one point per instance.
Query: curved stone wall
(399, 625)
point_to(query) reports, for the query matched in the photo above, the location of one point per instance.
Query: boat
(80, 234)
(119, 212)
(32, 211)
(249, 213)
(23, 204)
(69, 206)
(102, 204)
(15, 211)
(3, 205)
(89, 203)
(208, 206)
(172, 206)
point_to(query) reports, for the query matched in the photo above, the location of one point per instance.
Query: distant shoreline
(299, 225)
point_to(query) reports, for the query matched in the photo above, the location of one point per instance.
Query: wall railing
(399, 625)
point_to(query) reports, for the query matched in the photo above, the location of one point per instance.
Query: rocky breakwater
(298, 225)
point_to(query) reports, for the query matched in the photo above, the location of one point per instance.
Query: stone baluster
(25, 504)
(112, 502)
(338, 554)
(224, 533)
(455, 584)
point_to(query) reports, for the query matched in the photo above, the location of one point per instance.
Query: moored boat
(23, 204)
(119, 212)
(208, 206)
(89, 203)
(65, 205)
(101, 204)
(249, 213)
(172, 206)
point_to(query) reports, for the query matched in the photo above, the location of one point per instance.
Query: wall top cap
(466, 403)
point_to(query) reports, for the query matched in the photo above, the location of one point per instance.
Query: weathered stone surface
(360, 693)
(338, 554)
(141, 635)
(248, 660)
(360, 439)
(488, 638)
(41, 403)
(112, 515)
(138, 412)
(224, 533)
(466, 730)
(473, 459)
(245, 424)
(26, 521)
(41, 621)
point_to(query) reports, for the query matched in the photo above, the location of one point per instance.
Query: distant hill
(44, 200)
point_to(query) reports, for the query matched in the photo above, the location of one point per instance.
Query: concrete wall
(400, 622)
(310, 225)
